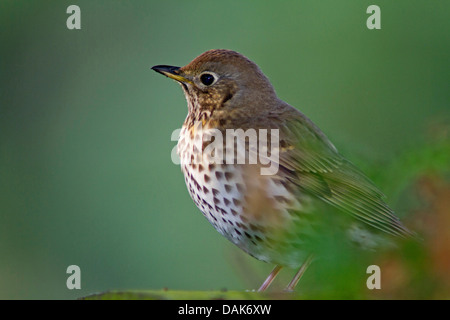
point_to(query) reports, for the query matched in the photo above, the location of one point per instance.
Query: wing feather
(319, 170)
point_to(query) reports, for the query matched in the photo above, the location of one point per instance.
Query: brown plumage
(271, 217)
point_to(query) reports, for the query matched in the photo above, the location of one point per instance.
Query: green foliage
(187, 295)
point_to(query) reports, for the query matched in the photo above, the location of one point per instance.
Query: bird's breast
(250, 209)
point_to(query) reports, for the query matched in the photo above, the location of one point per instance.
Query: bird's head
(221, 80)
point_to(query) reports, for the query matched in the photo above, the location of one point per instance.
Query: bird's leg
(290, 287)
(270, 278)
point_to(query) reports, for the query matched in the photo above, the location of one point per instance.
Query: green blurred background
(86, 176)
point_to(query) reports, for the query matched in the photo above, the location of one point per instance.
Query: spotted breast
(258, 213)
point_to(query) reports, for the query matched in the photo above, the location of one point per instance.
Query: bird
(274, 216)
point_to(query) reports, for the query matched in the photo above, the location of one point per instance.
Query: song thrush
(272, 217)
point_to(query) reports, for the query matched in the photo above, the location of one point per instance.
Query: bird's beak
(171, 72)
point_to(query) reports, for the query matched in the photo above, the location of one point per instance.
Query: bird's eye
(207, 79)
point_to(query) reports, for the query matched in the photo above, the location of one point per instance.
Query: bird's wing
(318, 169)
